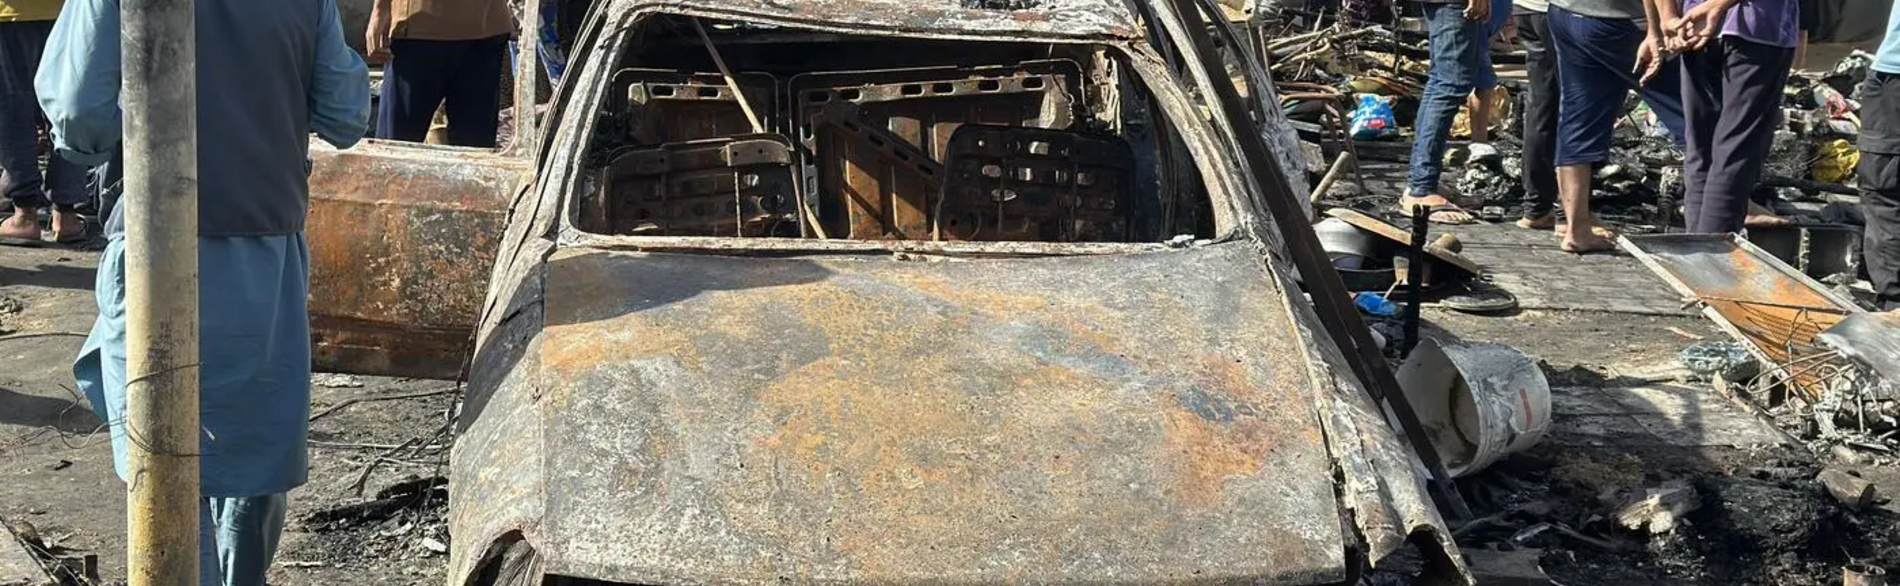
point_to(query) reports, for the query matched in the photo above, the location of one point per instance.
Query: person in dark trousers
(1880, 168)
(1601, 48)
(1540, 116)
(1736, 57)
(1461, 63)
(269, 75)
(442, 53)
(24, 27)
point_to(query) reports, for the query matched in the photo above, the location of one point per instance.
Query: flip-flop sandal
(83, 236)
(1431, 214)
(22, 242)
(1480, 299)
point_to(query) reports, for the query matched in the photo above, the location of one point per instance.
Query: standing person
(24, 26)
(1736, 57)
(1880, 167)
(1461, 33)
(442, 53)
(1540, 116)
(1601, 47)
(269, 74)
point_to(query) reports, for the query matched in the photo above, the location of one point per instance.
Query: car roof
(1053, 20)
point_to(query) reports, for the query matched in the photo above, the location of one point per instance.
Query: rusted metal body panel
(1114, 420)
(402, 237)
(1757, 298)
(1052, 19)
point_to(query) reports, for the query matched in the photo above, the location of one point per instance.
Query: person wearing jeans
(1601, 50)
(24, 27)
(1736, 57)
(1460, 34)
(1540, 116)
(1880, 168)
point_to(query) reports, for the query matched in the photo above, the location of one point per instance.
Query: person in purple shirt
(1736, 56)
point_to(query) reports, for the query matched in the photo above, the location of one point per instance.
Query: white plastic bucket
(1478, 402)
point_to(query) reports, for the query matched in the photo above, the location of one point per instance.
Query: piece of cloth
(1596, 62)
(1613, 9)
(1731, 97)
(28, 10)
(1461, 62)
(1768, 22)
(1540, 115)
(462, 77)
(237, 538)
(1880, 186)
(269, 74)
(450, 20)
(1887, 58)
(254, 354)
(21, 179)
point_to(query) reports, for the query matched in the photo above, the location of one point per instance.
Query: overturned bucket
(1478, 402)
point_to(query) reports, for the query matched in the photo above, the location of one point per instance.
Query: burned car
(867, 292)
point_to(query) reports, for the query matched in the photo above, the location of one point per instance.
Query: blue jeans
(237, 537)
(1461, 62)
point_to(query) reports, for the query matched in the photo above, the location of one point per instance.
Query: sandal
(67, 239)
(1480, 298)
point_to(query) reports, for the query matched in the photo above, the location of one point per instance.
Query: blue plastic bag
(1373, 118)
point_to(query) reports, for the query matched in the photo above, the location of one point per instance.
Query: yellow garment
(1836, 161)
(29, 10)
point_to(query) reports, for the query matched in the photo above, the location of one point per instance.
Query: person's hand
(376, 37)
(1477, 9)
(1699, 24)
(1508, 34)
(1649, 58)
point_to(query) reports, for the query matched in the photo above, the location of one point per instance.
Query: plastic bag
(1373, 118)
(1835, 160)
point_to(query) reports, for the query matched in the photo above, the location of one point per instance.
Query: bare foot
(1594, 241)
(68, 227)
(1543, 222)
(23, 225)
(1563, 230)
(1760, 216)
(1444, 211)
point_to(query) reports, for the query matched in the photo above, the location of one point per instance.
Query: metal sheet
(402, 238)
(1873, 339)
(1759, 299)
(1118, 420)
(864, 193)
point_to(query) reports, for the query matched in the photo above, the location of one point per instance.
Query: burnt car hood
(1138, 418)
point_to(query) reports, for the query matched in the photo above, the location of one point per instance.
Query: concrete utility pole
(160, 95)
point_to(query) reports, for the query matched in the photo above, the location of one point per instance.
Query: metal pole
(160, 97)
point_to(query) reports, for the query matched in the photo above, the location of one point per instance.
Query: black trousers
(1880, 185)
(463, 77)
(1731, 101)
(1540, 115)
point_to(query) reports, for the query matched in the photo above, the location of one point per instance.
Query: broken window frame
(563, 163)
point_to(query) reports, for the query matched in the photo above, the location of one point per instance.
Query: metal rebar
(160, 94)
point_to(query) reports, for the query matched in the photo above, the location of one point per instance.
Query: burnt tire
(514, 562)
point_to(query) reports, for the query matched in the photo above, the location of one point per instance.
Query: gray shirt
(1630, 9)
(269, 74)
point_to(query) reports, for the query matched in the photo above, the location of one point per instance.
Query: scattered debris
(1851, 490)
(1654, 510)
(62, 465)
(300, 564)
(1728, 361)
(331, 380)
(352, 401)
(435, 545)
(1517, 567)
